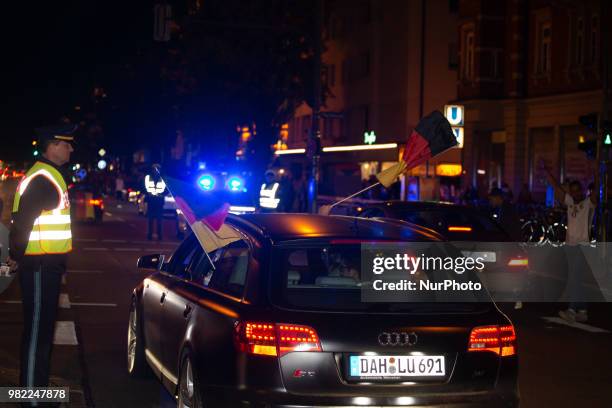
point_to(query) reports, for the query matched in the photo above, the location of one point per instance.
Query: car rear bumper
(282, 400)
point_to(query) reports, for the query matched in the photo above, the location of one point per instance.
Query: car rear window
(328, 277)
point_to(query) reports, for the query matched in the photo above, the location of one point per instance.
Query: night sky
(53, 54)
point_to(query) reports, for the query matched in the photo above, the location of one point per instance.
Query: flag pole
(353, 195)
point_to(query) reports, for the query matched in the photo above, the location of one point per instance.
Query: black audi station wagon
(273, 317)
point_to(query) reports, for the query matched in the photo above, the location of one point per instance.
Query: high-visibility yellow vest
(51, 233)
(267, 196)
(154, 188)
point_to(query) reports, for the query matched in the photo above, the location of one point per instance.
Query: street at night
(560, 365)
(311, 203)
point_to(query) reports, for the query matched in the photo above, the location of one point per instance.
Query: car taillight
(454, 228)
(501, 340)
(95, 202)
(275, 339)
(518, 262)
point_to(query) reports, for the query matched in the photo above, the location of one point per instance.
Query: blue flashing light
(235, 184)
(206, 182)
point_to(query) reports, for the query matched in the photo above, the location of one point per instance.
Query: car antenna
(326, 209)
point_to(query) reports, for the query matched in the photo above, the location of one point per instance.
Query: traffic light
(606, 133)
(589, 121)
(589, 147)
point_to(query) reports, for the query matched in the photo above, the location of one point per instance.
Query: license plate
(485, 255)
(391, 367)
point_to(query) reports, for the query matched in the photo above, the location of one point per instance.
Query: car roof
(420, 205)
(285, 226)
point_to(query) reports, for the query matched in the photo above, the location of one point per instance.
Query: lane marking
(156, 243)
(581, 326)
(64, 301)
(119, 241)
(65, 334)
(86, 239)
(94, 304)
(95, 249)
(128, 249)
(107, 213)
(63, 279)
(120, 219)
(84, 271)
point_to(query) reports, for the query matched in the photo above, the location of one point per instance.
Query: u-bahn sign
(455, 116)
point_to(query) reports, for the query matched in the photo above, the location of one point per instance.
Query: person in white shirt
(580, 210)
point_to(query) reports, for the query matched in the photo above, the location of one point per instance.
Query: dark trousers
(40, 278)
(578, 270)
(160, 222)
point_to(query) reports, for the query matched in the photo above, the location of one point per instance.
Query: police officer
(270, 194)
(156, 191)
(40, 239)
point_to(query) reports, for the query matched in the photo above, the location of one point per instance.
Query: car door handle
(187, 311)
(163, 297)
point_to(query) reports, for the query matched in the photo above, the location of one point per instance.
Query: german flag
(432, 136)
(197, 205)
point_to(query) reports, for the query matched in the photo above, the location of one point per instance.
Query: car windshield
(328, 277)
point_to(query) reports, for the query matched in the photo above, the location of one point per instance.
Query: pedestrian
(156, 191)
(508, 195)
(119, 187)
(270, 194)
(40, 239)
(505, 214)
(580, 210)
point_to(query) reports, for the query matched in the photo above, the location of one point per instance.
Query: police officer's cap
(62, 132)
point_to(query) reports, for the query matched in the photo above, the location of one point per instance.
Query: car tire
(136, 362)
(189, 391)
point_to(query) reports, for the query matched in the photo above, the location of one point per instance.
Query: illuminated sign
(458, 131)
(454, 114)
(448, 169)
(369, 137)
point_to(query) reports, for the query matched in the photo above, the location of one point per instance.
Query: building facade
(527, 71)
(385, 65)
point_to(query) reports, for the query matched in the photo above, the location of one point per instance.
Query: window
(328, 75)
(467, 54)
(345, 71)
(231, 266)
(320, 276)
(453, 56)
(544, 48)
(182, 257)
(594, 39)
(579, 57)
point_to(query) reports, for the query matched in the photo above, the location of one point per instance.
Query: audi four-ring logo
(397, 339)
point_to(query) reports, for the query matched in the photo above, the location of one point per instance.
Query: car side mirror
(151, 262)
